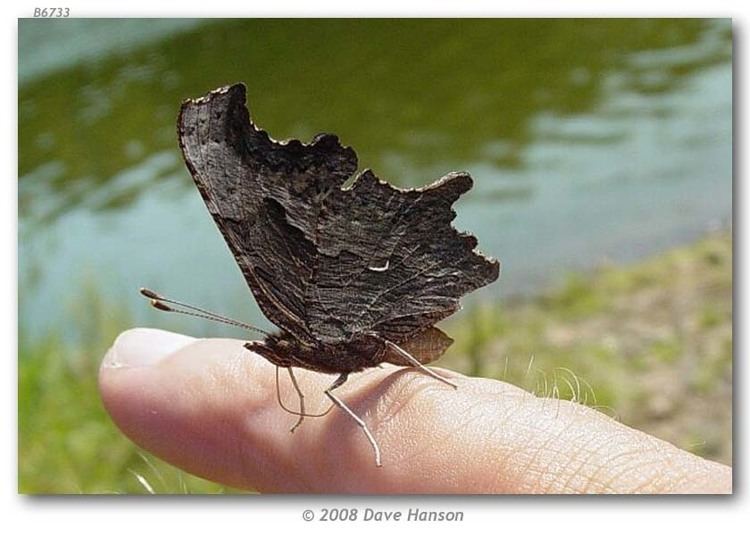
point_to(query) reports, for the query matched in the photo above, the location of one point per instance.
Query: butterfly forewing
(327, 263)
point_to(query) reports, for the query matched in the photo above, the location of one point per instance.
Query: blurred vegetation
(650, 343)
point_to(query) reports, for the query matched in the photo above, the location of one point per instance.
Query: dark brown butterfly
(352, 276)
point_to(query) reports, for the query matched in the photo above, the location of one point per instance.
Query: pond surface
(589, 141)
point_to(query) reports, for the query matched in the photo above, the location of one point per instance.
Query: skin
(209, 406)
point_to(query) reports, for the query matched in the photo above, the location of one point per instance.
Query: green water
(589, 141)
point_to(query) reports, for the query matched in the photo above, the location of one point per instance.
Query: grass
(649, 343)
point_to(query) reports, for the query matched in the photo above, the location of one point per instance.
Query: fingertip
(189, 401)
(142, 347)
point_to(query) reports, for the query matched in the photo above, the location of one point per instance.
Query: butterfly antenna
(160, 302)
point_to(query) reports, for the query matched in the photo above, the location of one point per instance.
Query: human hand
(209, 406)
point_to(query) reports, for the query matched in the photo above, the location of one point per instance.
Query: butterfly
(353, 276)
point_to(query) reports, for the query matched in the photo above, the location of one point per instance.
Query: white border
(114, 516)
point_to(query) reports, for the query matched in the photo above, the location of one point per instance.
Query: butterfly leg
(413, 360)
(301, 400)
(338, 383)
(291, 411)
